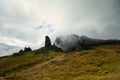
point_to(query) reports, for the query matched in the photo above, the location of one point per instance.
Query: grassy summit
(100, 63)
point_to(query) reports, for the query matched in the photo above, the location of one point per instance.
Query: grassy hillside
(13, 64)
(100, 63)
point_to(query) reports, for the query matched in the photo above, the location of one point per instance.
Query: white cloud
(20, 20)
(13, 41)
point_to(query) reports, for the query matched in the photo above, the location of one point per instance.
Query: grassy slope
(13, 64)
(101, 63)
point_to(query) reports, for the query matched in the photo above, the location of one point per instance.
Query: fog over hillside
(77, 42)
(25, 23)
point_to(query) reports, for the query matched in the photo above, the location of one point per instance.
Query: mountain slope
(74, 42)
(100, 63)
(12, 64)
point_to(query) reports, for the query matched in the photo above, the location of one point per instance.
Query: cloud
(12, 41)
(6, 49)
(29, 21)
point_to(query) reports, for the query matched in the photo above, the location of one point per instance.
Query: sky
(26, 22)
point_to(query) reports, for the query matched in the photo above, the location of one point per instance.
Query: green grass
(100, 63)
(12, 64)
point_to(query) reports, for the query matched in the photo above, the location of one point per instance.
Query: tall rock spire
(47, 42)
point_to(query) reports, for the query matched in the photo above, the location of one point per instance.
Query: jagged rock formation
(22, 51)
(47, 42)
(27, 49)
(48, 47)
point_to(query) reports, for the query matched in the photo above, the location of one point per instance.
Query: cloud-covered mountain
(6, 49)
(77, 42)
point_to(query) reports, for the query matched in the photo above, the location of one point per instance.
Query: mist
(26, 23)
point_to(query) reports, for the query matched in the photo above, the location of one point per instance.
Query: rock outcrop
(47, 42)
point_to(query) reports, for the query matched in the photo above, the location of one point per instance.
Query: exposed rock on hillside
(47, 42)
(48, 47)
(26, 49)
